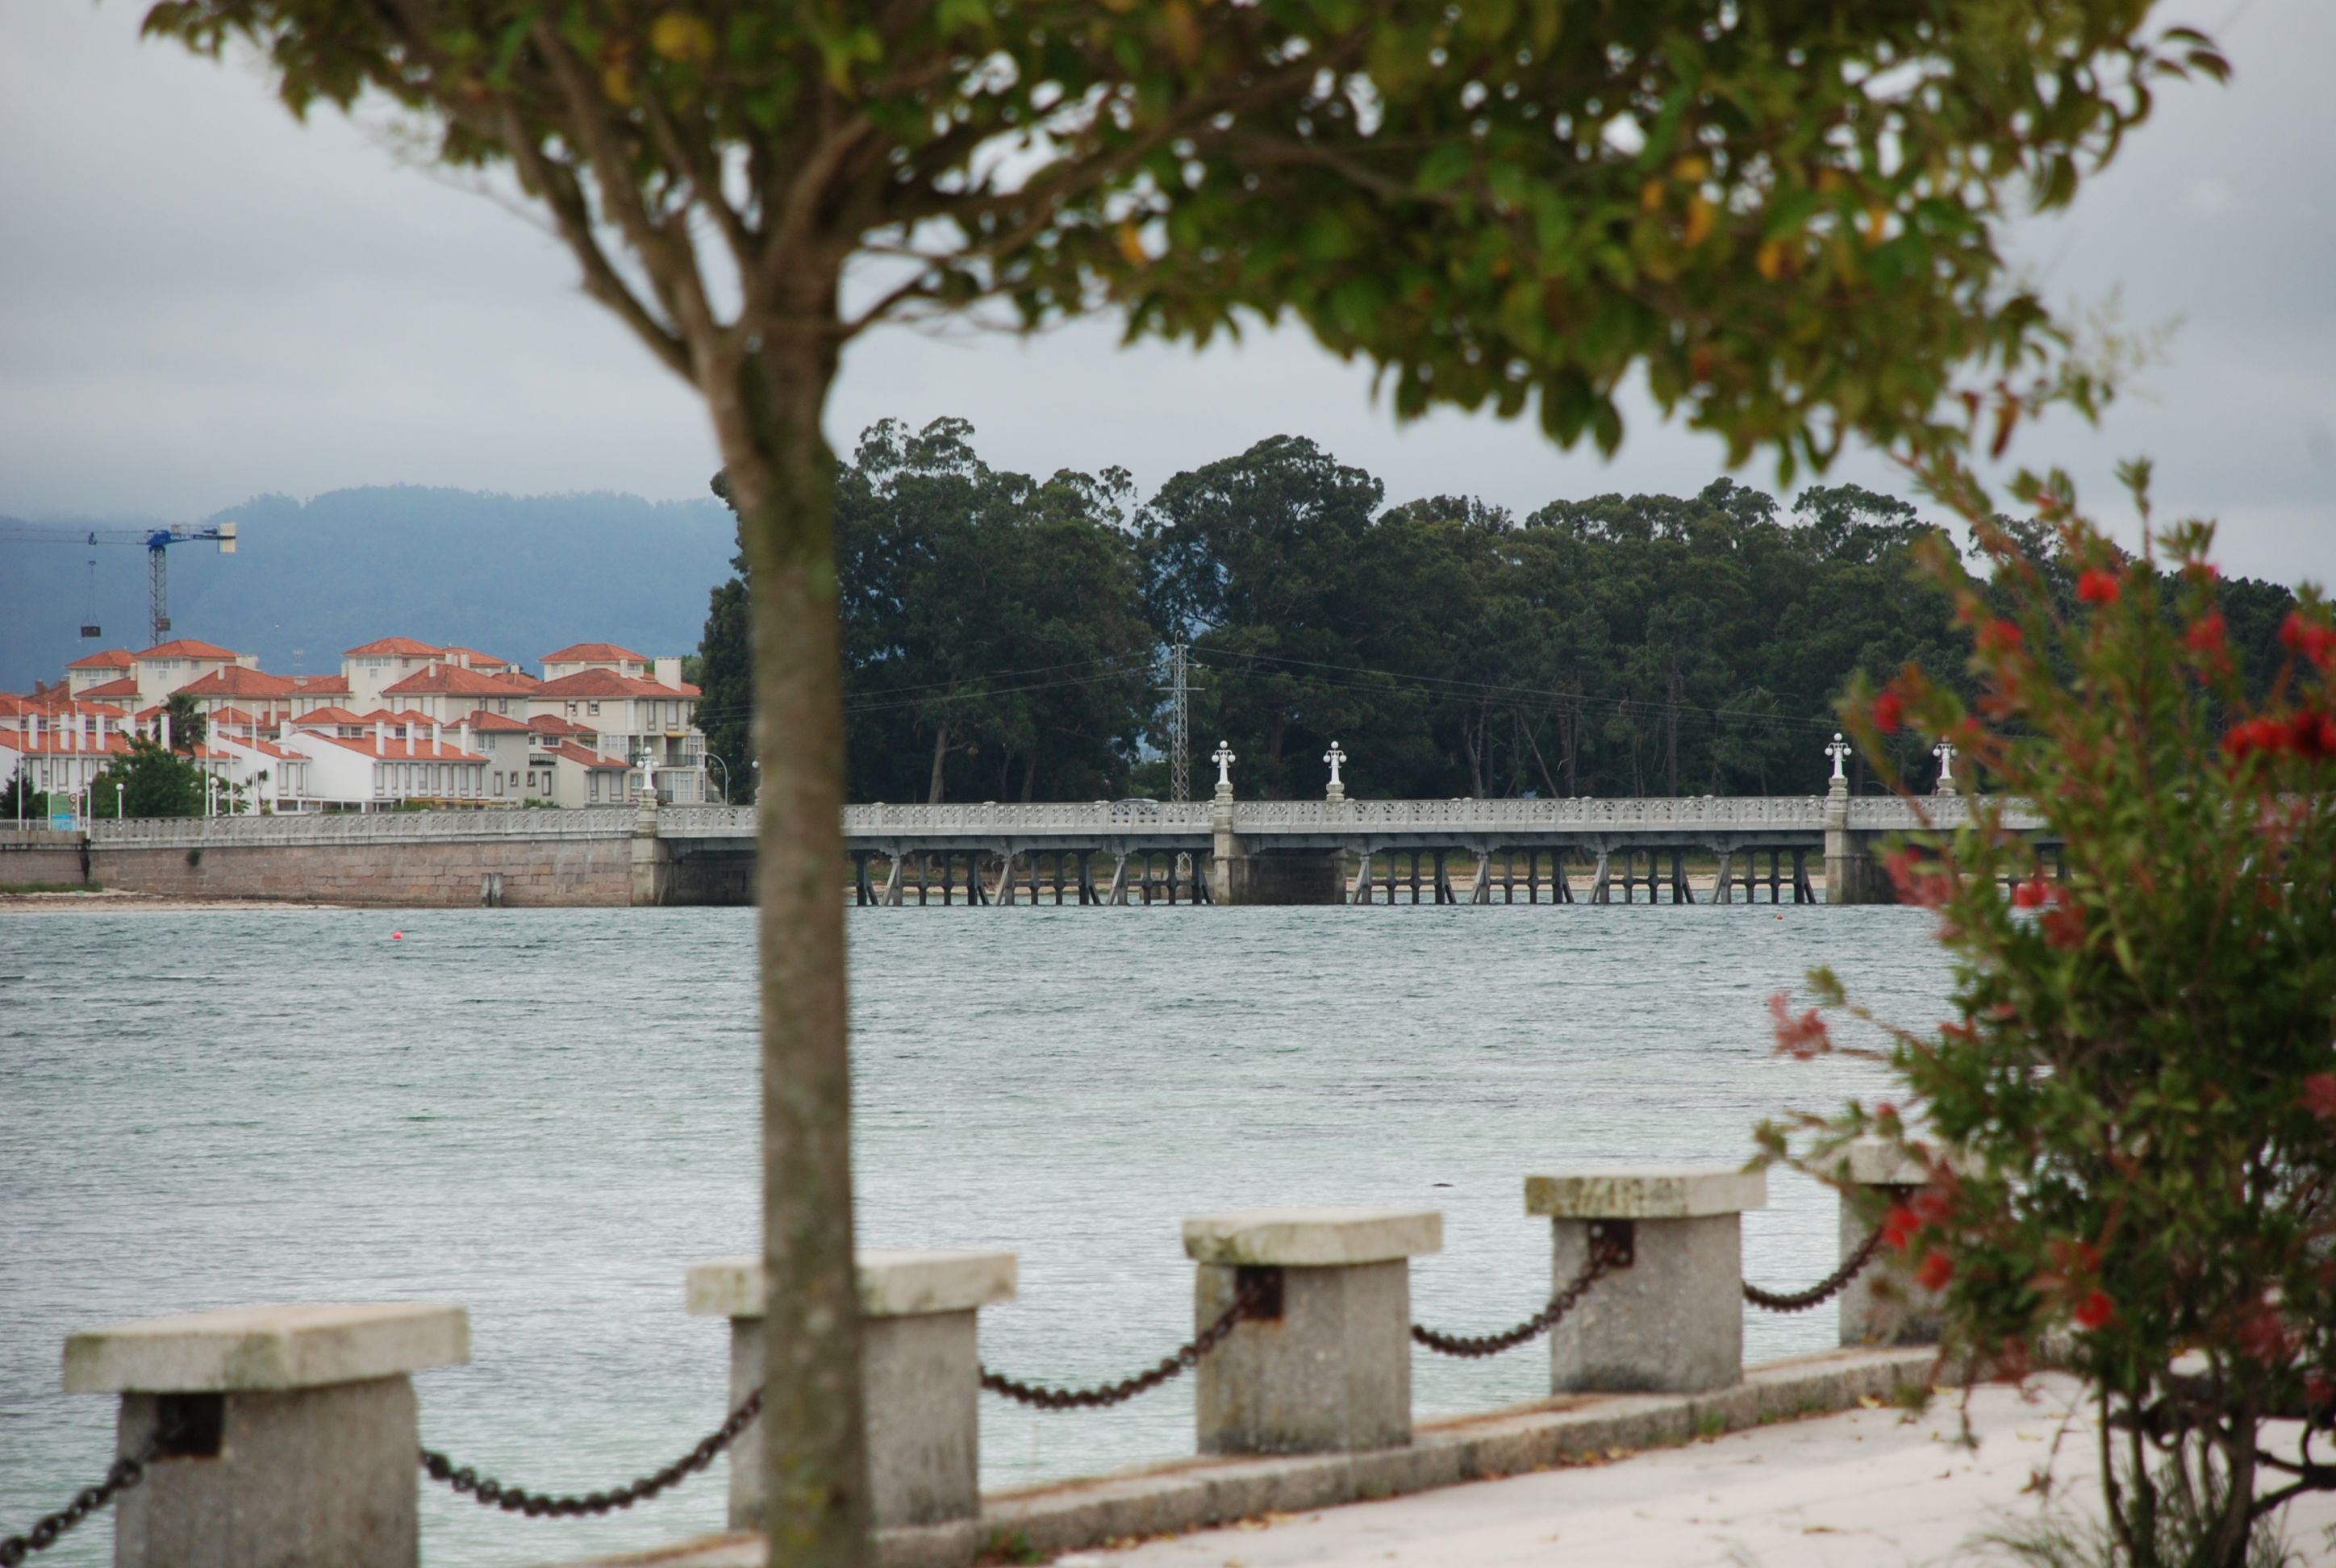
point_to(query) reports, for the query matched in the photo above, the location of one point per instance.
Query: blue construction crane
(158, 569)
(157, 543)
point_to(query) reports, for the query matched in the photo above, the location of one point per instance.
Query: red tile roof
(451, 680)
(552, 723)
(112, 658)
(397, 645)
(605, 683)
(474, 659)
(576, 754)
(423, 750)
(188, 647)
(236, 680)
(122, 688)
(495, 721)
(317, 684)
(594, 652)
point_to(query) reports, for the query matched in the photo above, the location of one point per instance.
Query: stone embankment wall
(35, 857)
(443, 859)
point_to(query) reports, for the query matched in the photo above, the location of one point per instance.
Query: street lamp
(715, 759)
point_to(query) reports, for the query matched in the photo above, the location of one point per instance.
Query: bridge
(1227, 850)
(1221, 851)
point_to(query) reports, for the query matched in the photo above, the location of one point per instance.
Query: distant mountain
(514, 576)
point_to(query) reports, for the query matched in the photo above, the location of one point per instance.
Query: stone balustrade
(287, 1435)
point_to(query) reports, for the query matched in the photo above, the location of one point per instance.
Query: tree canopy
(1004, 637)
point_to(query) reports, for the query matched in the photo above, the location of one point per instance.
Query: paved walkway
(1868, 1489)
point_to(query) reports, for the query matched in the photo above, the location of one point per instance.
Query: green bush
(2140, 1063)
(154, 782)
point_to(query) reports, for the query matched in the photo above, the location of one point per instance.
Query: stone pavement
(1865, 1488)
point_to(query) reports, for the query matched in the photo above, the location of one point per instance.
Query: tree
(20, 800)
(1787, 218)
(189, 727)
(2130, 1117)
(154, 782)
(725, 694)
(986, 615)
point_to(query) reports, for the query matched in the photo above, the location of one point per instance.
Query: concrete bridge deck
(1222, 851)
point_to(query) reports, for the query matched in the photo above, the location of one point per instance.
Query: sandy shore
(112, 901)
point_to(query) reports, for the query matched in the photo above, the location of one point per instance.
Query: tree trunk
(766, 407)
(940, 757)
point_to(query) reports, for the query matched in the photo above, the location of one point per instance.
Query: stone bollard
(288, 1436)
(1671, 1321)
(1324, 1363)
(921, 1376)
(1883, 1305)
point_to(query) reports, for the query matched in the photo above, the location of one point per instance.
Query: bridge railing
(359, 827)
(1111, 817)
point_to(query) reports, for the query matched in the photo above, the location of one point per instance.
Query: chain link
(491, 1494)
(1602, 1258)
(1186, 1358)
(1824, 1291)
(124, 1474)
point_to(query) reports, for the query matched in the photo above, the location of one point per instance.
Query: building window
(594, 708)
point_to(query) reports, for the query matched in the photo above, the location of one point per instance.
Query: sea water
(546, 1116)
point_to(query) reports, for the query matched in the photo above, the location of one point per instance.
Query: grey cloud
(201, 301)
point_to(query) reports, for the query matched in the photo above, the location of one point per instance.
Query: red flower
(2316, 643)
(2320, 1095)
(2096, 1311)
(2098, 587)
(1899, 1227)
(1889, 711)
(2257, 735)
(2207, 633)
(1918, 884)
(1800, 1037)
(1999, 636)
(2313, 735)
(1934, 1270)
(2063, 927)
(2031, 894)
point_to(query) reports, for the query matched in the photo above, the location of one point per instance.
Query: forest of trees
(1005, 637)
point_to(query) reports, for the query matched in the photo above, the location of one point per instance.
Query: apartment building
(404, 721)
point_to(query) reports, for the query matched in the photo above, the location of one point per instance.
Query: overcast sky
(201, 300)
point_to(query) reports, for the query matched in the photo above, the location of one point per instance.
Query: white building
(372, 668)
(634, 717)
(376, 761)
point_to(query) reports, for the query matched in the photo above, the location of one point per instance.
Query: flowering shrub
(2139, 1077)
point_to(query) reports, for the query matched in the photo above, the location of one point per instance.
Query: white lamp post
(1945, 752)
(1336, 756)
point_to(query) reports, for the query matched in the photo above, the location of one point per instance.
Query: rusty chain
(491, 1494)
(1186, 1357)
(120, 1477)
(1603, 1256)
(1824, 1291)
